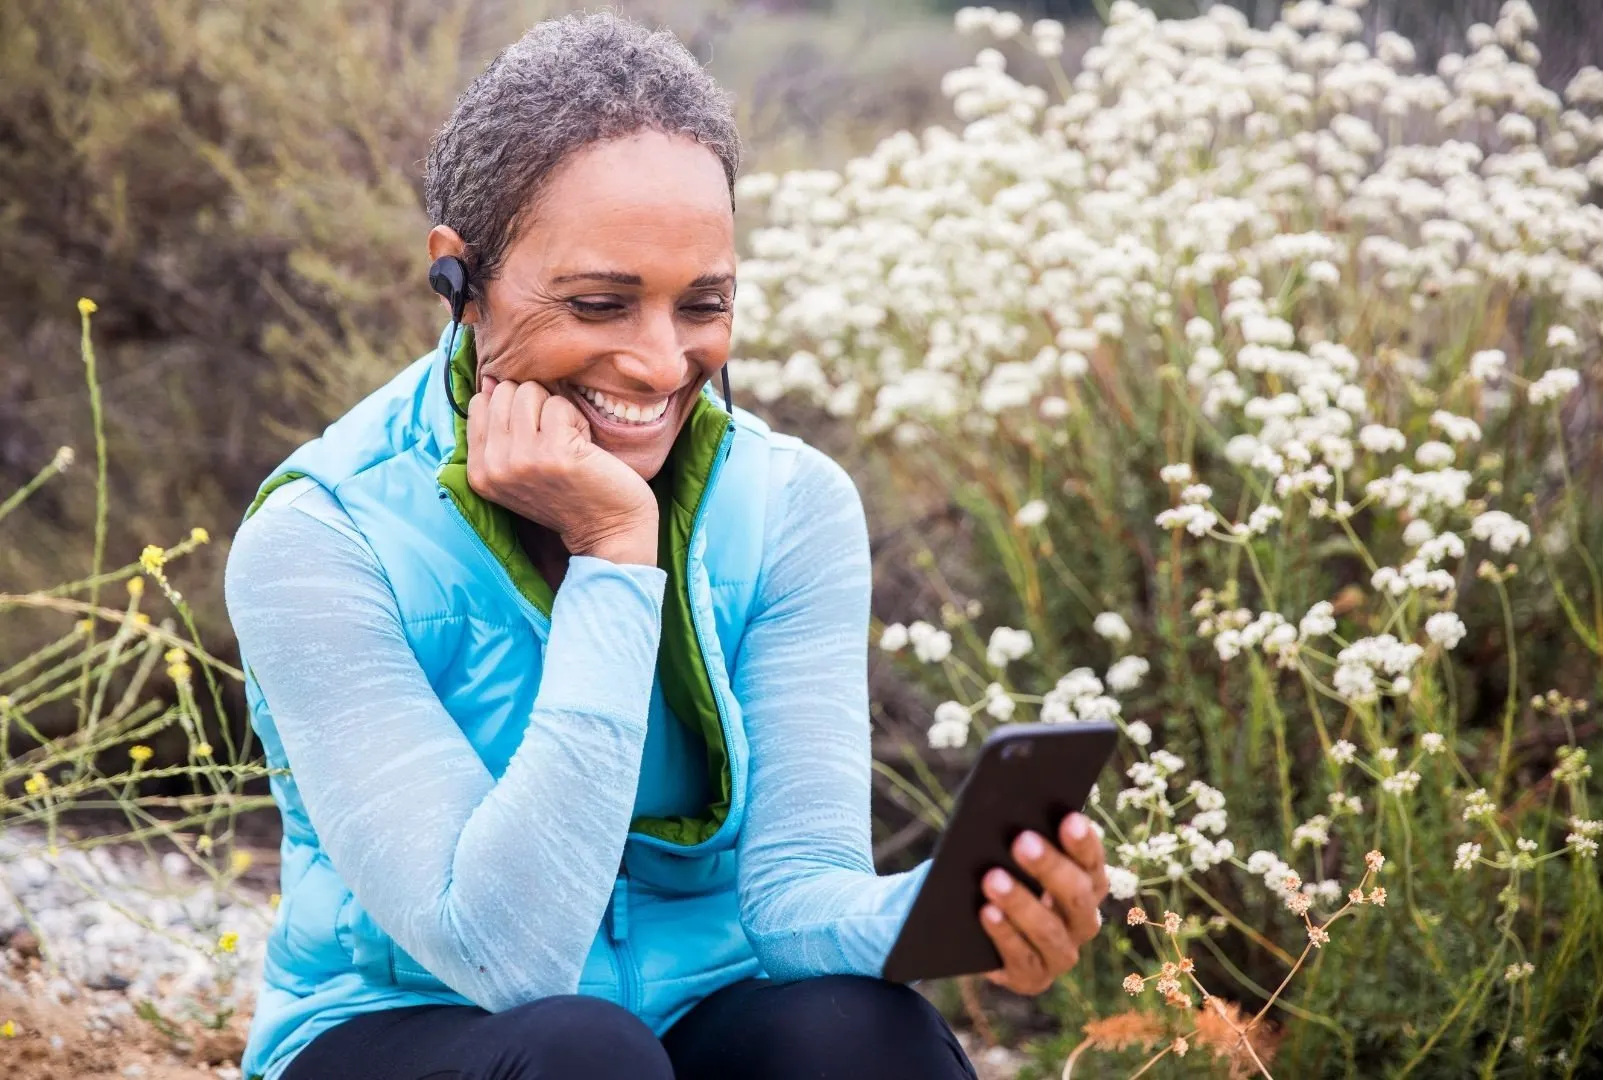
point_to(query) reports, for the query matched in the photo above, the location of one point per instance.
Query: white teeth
(619, 410)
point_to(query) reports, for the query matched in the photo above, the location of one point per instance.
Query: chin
(645, 463)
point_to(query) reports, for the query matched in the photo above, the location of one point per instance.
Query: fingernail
(999, 882)
(1031, 846)
(991, 914)
(1078, 826)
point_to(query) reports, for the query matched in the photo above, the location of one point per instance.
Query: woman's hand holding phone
(530, 451)
(1040, 938)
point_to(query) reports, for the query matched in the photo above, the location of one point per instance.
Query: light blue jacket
(625, 673)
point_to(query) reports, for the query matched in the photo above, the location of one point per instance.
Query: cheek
(709, 344)
(534, 350)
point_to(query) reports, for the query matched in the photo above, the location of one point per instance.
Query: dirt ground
(97, 1036)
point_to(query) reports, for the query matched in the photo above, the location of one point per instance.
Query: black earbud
(448, 276)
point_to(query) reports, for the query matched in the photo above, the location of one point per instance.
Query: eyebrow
(618, 278)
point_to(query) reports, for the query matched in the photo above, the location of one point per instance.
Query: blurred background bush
(236, 182)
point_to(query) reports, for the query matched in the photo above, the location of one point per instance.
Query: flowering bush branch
(1255, 371)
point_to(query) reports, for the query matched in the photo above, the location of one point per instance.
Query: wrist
(632, 543)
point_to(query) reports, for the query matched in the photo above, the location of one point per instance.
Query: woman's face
(618, 293)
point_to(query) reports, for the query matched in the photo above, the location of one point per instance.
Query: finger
(1022, 969)
(559, 416)
(1082, 844)
(1043, 929)
(478, 424)
(527, 403)
(499, 421)
(1075, 898)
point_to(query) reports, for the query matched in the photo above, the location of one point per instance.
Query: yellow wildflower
(228, 942)
(152, 559)
(87, 306)
(36, 784)
(203, 749)
(136, 587)
(240, 861)
(177, 665)
(139, 752)
(9, 1029)
(141, 619)
(272, 901)
(86, 625)
(200, 535)
(203, 844)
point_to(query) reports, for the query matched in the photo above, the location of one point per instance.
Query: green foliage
(237, 180)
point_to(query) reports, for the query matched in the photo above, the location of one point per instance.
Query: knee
(575, 1035)
(839, 1024)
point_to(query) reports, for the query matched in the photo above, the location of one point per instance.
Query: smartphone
(1028, 776)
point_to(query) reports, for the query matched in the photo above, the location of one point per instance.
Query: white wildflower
(1111, 625)
(1554, 385)
(1006, 645)
(1122, 884)
(1126, 673)
(929, 644)
(1487, 365)
(1500, 530)
(950, 727)
(1031, 514)
(1445, 628)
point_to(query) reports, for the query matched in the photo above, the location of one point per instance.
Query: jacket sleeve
(810, 900)
(497, 886)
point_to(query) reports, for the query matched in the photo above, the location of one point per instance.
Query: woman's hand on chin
(530, 451)
(1040, 939)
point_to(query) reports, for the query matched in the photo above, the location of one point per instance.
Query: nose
(656, 360)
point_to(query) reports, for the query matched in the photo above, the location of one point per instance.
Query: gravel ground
(90, 936)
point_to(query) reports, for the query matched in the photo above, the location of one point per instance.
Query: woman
(572, 681)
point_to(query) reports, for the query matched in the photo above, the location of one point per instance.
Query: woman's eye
(709, 307)
(595, 307)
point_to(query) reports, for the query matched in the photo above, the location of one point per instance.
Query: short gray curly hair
(566, 83)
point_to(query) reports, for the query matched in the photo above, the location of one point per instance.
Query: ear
(444, 240)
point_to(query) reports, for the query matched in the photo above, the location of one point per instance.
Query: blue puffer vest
(477, 615)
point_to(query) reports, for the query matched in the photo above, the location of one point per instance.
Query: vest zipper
(701, 644)
(623, 953)
(540, 618)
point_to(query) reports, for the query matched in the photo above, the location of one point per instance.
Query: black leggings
(838, 1027)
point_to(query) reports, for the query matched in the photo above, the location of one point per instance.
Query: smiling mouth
(623, 413)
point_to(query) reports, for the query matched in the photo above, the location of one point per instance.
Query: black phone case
(1028, 776)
